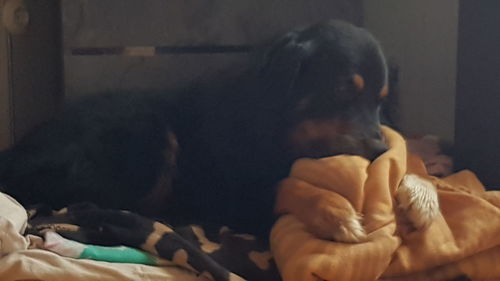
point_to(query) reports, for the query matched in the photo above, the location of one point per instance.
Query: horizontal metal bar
(158, 50)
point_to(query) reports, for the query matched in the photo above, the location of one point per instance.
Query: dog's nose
(375, 148)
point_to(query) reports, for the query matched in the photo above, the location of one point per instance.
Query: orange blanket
(464, 239)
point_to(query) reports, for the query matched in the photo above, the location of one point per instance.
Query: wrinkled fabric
(464, 239)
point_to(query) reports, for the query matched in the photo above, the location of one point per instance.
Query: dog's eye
(344, 93)
(358, 82)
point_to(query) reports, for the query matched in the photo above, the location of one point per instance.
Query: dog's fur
(211, 152)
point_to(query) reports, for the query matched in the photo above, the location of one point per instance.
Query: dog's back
(98, 148)
(214, 152)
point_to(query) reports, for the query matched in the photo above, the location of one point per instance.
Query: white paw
(350, 230)
(419, 199)
(338, 225)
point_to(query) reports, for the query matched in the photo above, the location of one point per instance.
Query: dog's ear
(282, 62)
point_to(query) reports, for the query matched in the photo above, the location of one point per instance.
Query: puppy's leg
(324, 213)
(418, 198)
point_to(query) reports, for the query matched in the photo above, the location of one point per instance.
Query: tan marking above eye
(358, 81)
(384, 92)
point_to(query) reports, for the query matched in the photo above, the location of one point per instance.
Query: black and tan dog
(213, 152)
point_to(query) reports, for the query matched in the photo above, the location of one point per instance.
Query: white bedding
(19, 260)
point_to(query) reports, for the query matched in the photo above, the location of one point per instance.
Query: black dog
(212, 152)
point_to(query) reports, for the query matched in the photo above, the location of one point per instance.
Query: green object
(120, 254)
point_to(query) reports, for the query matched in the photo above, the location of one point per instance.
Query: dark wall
(31, 73)
(38, 64)
(478, 90)
(123, 23)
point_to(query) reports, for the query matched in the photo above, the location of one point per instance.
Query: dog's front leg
(325, 213)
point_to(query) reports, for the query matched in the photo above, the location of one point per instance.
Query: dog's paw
(338, 224)
(419, 200)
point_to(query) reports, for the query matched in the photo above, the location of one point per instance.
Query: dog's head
(331, 79)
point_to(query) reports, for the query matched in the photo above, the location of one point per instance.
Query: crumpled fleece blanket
(464, 239)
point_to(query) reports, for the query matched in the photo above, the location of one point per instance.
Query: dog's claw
(418, 198)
